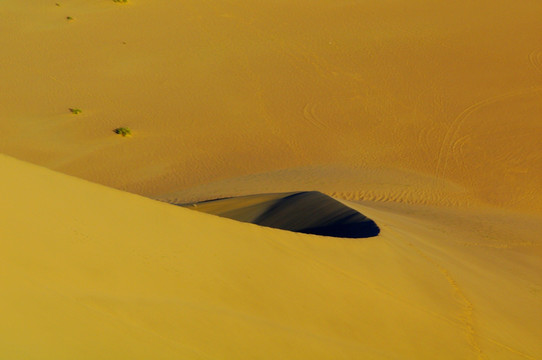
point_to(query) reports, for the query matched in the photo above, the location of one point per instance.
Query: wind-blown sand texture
(423, 116)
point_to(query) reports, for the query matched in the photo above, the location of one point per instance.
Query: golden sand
(306, 212)
(423, 116)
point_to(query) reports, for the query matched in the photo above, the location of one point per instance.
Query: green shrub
(120, 1)
(69, 18)
(123, 131)
(76, 111)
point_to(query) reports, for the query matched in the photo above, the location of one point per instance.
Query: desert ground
(424, 117)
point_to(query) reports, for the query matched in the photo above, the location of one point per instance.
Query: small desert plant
(69, 18)
(76, 111)
(123, 131)
(120, 1)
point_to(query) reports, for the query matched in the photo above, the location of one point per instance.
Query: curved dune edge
(90, 272)
(308, 212)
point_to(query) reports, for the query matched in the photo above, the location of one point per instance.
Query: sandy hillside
(90, 272)
(423, 116)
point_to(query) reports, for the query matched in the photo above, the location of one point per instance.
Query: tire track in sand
(447, 145)
(457, 147)
(309, 114)
(535, 58)
(467, 317)
(467, 308)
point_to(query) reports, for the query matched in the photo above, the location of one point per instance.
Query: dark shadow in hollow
(308, 212)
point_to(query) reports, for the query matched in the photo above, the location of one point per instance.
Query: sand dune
(305, 212)
(422, 116)
(89, 272)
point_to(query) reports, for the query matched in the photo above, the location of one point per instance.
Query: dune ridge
(308, 212)
(95, 272)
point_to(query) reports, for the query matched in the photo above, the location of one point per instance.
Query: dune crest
(309, 212)
(90, 272)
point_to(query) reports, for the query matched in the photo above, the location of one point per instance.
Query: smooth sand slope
(410, 101)
(89, 272)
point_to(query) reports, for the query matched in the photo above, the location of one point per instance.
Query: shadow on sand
(306, 212)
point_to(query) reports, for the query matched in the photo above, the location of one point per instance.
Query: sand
(419, 103)
(425, 117)
(91, 272)
(308, 212)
